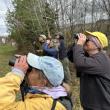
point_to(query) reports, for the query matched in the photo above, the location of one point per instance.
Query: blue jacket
(50, 51)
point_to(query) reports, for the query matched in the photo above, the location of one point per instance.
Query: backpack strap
(65, 101)
(54, 104)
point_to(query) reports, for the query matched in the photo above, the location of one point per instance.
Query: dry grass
(75, 88)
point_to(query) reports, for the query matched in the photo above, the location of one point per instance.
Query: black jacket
(62, 50)
(94, 79)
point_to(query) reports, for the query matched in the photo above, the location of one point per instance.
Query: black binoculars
(12, 61)
(75, 36)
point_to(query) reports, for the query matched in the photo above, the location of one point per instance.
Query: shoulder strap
(54, 104)
(65, 101)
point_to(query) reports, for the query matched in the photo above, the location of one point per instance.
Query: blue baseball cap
(51, 67)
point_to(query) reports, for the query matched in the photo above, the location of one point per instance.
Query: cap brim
(33, 60)
(89, 33)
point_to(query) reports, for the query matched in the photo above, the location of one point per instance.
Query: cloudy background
(4, 6)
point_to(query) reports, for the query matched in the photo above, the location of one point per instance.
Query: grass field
(7, 51)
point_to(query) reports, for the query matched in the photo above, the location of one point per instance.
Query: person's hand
(39, 51)
(81, 39)
(21, 63)
(50, 37)
(48, 41)
(17, 55)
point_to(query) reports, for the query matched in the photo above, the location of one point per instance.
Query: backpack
(65, 101)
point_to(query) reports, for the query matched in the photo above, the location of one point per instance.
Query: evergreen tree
(29, 19)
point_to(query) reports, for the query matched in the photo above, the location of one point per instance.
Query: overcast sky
(4, 5)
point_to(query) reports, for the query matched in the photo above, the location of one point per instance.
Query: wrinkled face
(57, 37)
(90, 45)
(41, 40)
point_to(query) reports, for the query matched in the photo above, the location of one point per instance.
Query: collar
(54, 92)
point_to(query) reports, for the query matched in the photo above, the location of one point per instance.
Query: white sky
(4, 6)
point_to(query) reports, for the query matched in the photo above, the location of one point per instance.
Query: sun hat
(51, 67)
(43, 36)
(100, 36)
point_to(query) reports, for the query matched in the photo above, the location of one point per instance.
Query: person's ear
(45, 82)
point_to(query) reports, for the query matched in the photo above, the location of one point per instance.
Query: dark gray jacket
(62, 50)
(94, 79)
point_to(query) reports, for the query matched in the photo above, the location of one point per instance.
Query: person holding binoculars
(93, 68)
(42, 86)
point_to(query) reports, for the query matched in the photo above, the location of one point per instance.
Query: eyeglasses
(87, 39)
(95, 41)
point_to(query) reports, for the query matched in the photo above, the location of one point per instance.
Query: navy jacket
(62, 50)
(50, 51)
